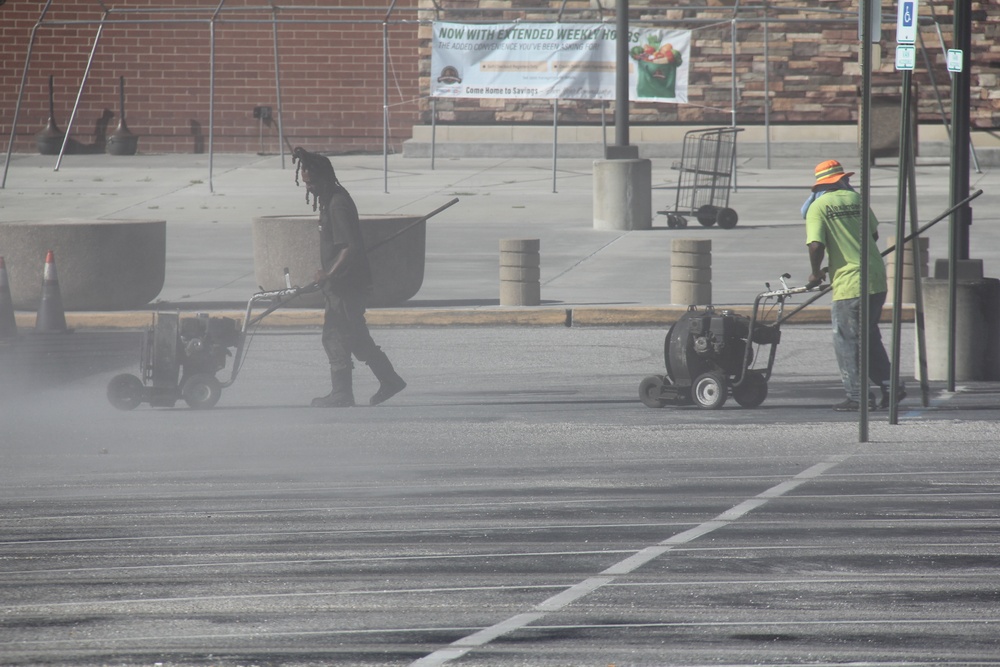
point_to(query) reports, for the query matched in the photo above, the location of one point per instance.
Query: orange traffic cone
(8, 325)
(51, 317)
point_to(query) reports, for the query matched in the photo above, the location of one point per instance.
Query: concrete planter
(292, 242)
(100, 264)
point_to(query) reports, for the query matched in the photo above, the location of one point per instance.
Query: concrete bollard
(977, 324)
(909, 293)
(520, 272)
(691, 272)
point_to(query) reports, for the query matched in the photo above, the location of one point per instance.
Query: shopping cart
(706, 168)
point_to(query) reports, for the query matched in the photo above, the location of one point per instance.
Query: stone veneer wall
(814, 73)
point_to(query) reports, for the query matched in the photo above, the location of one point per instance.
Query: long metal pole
(277, 86)
(211, 102)
(79, 94)
(20, 94)
(866, 99)
(732, 72)
(555, 141)
(918, 275)
(961, 220)
(621, 74)
(767, 89)
(905, 151)
(385, 106)
(211, 95)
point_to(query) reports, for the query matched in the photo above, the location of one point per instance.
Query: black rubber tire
(752, 391)
(649, 391)
(201, 391)
(675, 221)
(727, 218)
(709, 391)
(707, 215)
(125, 391)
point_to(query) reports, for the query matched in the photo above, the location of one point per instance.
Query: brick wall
(332, 73)
(331, 76)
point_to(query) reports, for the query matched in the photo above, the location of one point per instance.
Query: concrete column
(977, 324)
(520, 271)
(691, 272)
(623, 194)
(909, 293)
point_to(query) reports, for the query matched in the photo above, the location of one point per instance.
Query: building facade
(355, 77)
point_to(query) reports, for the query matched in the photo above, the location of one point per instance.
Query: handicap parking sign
(906, 22)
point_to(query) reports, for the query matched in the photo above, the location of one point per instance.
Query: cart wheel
(125, 391)
(707, 214)
(201, 391)
(727, 218)
(709, 391)
(675, 221)
(752, 391)
(650, 390)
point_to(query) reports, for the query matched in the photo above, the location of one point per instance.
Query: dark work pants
(345, 332)
(846, 318)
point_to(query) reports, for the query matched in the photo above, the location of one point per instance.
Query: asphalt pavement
(602, 277)
(517, 504)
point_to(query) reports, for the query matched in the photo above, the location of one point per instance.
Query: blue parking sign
(906, 22)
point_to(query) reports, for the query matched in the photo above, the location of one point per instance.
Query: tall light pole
(621, 148)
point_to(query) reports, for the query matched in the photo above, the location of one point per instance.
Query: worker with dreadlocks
(346, 280)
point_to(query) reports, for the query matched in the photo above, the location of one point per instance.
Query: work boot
(850, 405)
(390, 383)
(900, 395)
(342, 395)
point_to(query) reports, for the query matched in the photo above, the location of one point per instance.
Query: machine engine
(204, 343)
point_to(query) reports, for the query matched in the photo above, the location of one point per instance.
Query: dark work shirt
(339, 227)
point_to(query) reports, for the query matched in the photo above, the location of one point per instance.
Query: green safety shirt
(834, 220)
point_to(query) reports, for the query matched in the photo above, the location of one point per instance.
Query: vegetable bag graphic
(657, 65)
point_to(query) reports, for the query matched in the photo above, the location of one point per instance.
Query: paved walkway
(613, 277)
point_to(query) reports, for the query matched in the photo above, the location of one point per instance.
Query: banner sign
(556, 61)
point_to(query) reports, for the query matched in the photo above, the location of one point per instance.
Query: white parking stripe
(559, 601)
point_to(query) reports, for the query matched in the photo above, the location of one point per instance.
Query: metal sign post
(906, 34)
(866, 106)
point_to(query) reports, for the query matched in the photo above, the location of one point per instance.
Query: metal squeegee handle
(410, 226)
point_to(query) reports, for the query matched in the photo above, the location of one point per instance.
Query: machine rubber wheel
(201, 391)
(727, 218)
(752, 391)
(650, 391)
(675, 221)
(707, 215)
(709, 391)
(125, 391)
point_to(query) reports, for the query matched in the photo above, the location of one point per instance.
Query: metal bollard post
(890, 267)
(691, 272)
(520, 272)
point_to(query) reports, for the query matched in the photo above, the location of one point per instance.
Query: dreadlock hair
(320, 169)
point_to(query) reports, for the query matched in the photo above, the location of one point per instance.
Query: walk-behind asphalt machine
(710, 354)
(180, 356)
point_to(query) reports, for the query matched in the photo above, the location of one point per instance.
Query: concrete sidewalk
(587, 276)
